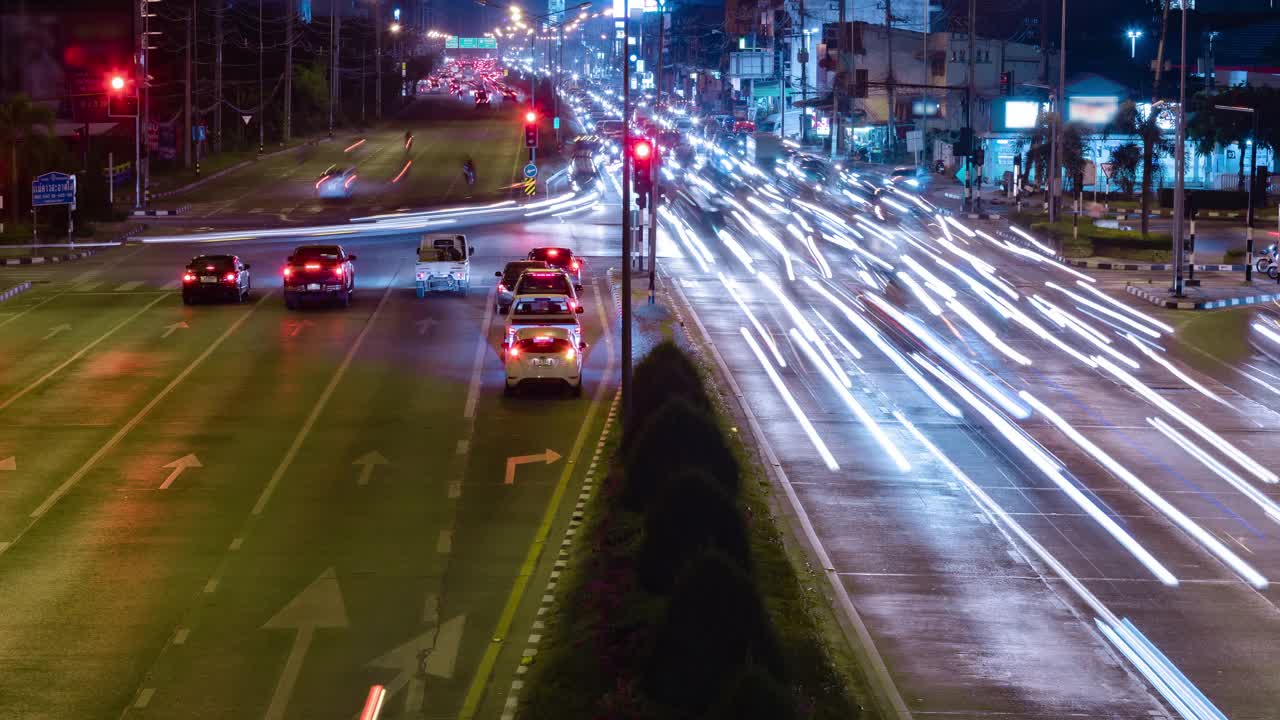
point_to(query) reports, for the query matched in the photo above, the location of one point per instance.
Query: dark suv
(319, 271)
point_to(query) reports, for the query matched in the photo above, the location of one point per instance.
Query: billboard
(1092, 109)
(1021, 114)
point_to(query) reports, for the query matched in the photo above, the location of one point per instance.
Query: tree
(1210, 128)
(1131, 120)
(27, 125)
(1124, 166)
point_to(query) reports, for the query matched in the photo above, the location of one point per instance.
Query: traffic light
(964, 145)
(979, 156)
(531, 129)
(122, 97)
(1006, 83)
(642, 152)
(860, 82)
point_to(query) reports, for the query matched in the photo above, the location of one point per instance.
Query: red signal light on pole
(117, 82)
(531, 117)
(643, 150)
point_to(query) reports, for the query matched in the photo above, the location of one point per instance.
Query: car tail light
(288, 272)
(570, 354)
(337, 271)
(321, 181)
(312, 266)
(229, 277)
(348, 181)
(573, 305)
(575, 265)
(502, 288)
(513, 351)
(188, 277)
(553, 252)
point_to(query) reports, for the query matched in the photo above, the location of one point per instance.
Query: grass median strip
(679, 599)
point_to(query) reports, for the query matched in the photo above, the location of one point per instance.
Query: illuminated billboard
(1092, 109)
(1021, 114)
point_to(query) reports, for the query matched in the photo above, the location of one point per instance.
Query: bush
(690, 512)
(677, 435)
(754, 695)
(665, 372)
(714, 625)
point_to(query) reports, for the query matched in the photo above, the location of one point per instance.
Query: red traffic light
(531, 116)
(117, 82)
(642, 150)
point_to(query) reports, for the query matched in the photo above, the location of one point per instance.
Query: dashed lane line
(128, 427)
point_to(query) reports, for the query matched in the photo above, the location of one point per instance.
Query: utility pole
(333, 59)
(626, 219)
(1179, 161)
(1055, 151)
(262, 98)
(377, 56)
(288, 71)
(891, 134)
(804, 77)
(656, 163)
(145, 89)
(838, 87)
(778, 55)
(928, 80)
(186, 89)
(971, 95)
(217, 76)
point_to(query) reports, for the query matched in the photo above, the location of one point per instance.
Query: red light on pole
(643, 150)
(531, 116)
(117, 82)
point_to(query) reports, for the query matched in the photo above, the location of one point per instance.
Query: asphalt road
(990, 556)
(242, 511)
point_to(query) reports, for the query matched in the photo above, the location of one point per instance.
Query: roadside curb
(45, 259)
(15, 290)
(1161, 299)
(1158, 267)
(563, 555)
(238, 166)
(161, 213)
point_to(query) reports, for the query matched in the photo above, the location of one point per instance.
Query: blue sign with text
(53, 188)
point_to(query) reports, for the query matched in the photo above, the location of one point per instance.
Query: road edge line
(861, 642)
(480, 681)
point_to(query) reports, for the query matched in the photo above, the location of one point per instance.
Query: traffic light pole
(626, 220)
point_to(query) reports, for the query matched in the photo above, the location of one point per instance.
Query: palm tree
(19, 120)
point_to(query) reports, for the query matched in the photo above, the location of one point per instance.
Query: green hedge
(1094, 240)
(681, 602)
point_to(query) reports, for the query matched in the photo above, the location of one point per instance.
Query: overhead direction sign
(463, 43)
(53, 188)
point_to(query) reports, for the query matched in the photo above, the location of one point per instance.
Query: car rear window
(554, 256)
(542, 306)
(552, 282)
(513, 270)
(317, 252)
(212, 263)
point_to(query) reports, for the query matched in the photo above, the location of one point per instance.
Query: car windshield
(535, 282)
(212, 263)
(513, 270)
(558, 257)
(442, 250)
(542, 306)
(318, 252)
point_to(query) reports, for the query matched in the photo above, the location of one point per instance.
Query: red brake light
(553, 252)
(288, 272)
(230, 277)
(321, 181)
(208, 267)
(312, 266)
(570, 354)
(188, 277)
(350, 180)
(337, 271)
(502, 288)
(574, 265)
(513, 351)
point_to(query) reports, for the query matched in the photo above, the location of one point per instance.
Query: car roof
(210, 258)
(552, 247)
(320, 248)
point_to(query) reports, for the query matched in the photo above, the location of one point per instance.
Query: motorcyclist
(469, 170)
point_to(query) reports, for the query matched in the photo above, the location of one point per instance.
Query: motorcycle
(1269, 263)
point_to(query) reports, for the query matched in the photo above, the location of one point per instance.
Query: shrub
(691, 512)
(714, 625)
(664, 373)
(677, 435)
(754, 695)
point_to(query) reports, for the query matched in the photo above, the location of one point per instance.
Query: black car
(562, 258)
(322, 272)
(218, 277)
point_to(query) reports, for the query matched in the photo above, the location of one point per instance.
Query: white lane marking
(80, 353)
(177, 467)
(323, 400)
(477, 365)
(144, 698)
(86, 287)
(84, 276)
(180, 637)
(128, 286)
(131, 424)
(235, 544)
(171, 285)
(211, 586)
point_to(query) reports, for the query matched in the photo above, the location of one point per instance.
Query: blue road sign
(199, 133)
(531, 170)
(555, 124)
(53, 188)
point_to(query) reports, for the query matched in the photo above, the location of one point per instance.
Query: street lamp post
(1179, 161)
(1133, 36)
(1253, 168)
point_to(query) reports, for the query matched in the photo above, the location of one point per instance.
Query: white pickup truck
(444, 264)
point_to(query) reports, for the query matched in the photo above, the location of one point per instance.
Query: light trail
(827, 458)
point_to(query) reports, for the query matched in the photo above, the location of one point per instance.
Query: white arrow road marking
(9, 463)
(424, 326)
(55, 330)
(547, 457)
(318, 606)
(168, 329)
(434, 652)
(182, 463)
(296, 327)
(367, 463)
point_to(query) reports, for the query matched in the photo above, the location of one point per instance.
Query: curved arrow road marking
(9, 463)
(367, 463)
(547, 457)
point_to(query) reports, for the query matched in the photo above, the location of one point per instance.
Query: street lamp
(1253, 168)
(1133, 36)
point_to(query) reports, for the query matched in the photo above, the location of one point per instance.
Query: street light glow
(1133, 36)
(395, 27)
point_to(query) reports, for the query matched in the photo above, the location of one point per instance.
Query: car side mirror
(498, 274)
(289, 259)
(579, 309)
(471, 251)
(352, 258)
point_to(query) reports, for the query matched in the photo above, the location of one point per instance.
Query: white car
(544, 354)
(336, 183)
(542, 310)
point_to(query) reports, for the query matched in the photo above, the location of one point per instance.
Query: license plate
(544, 362)
(208, 278)
(313, 286)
